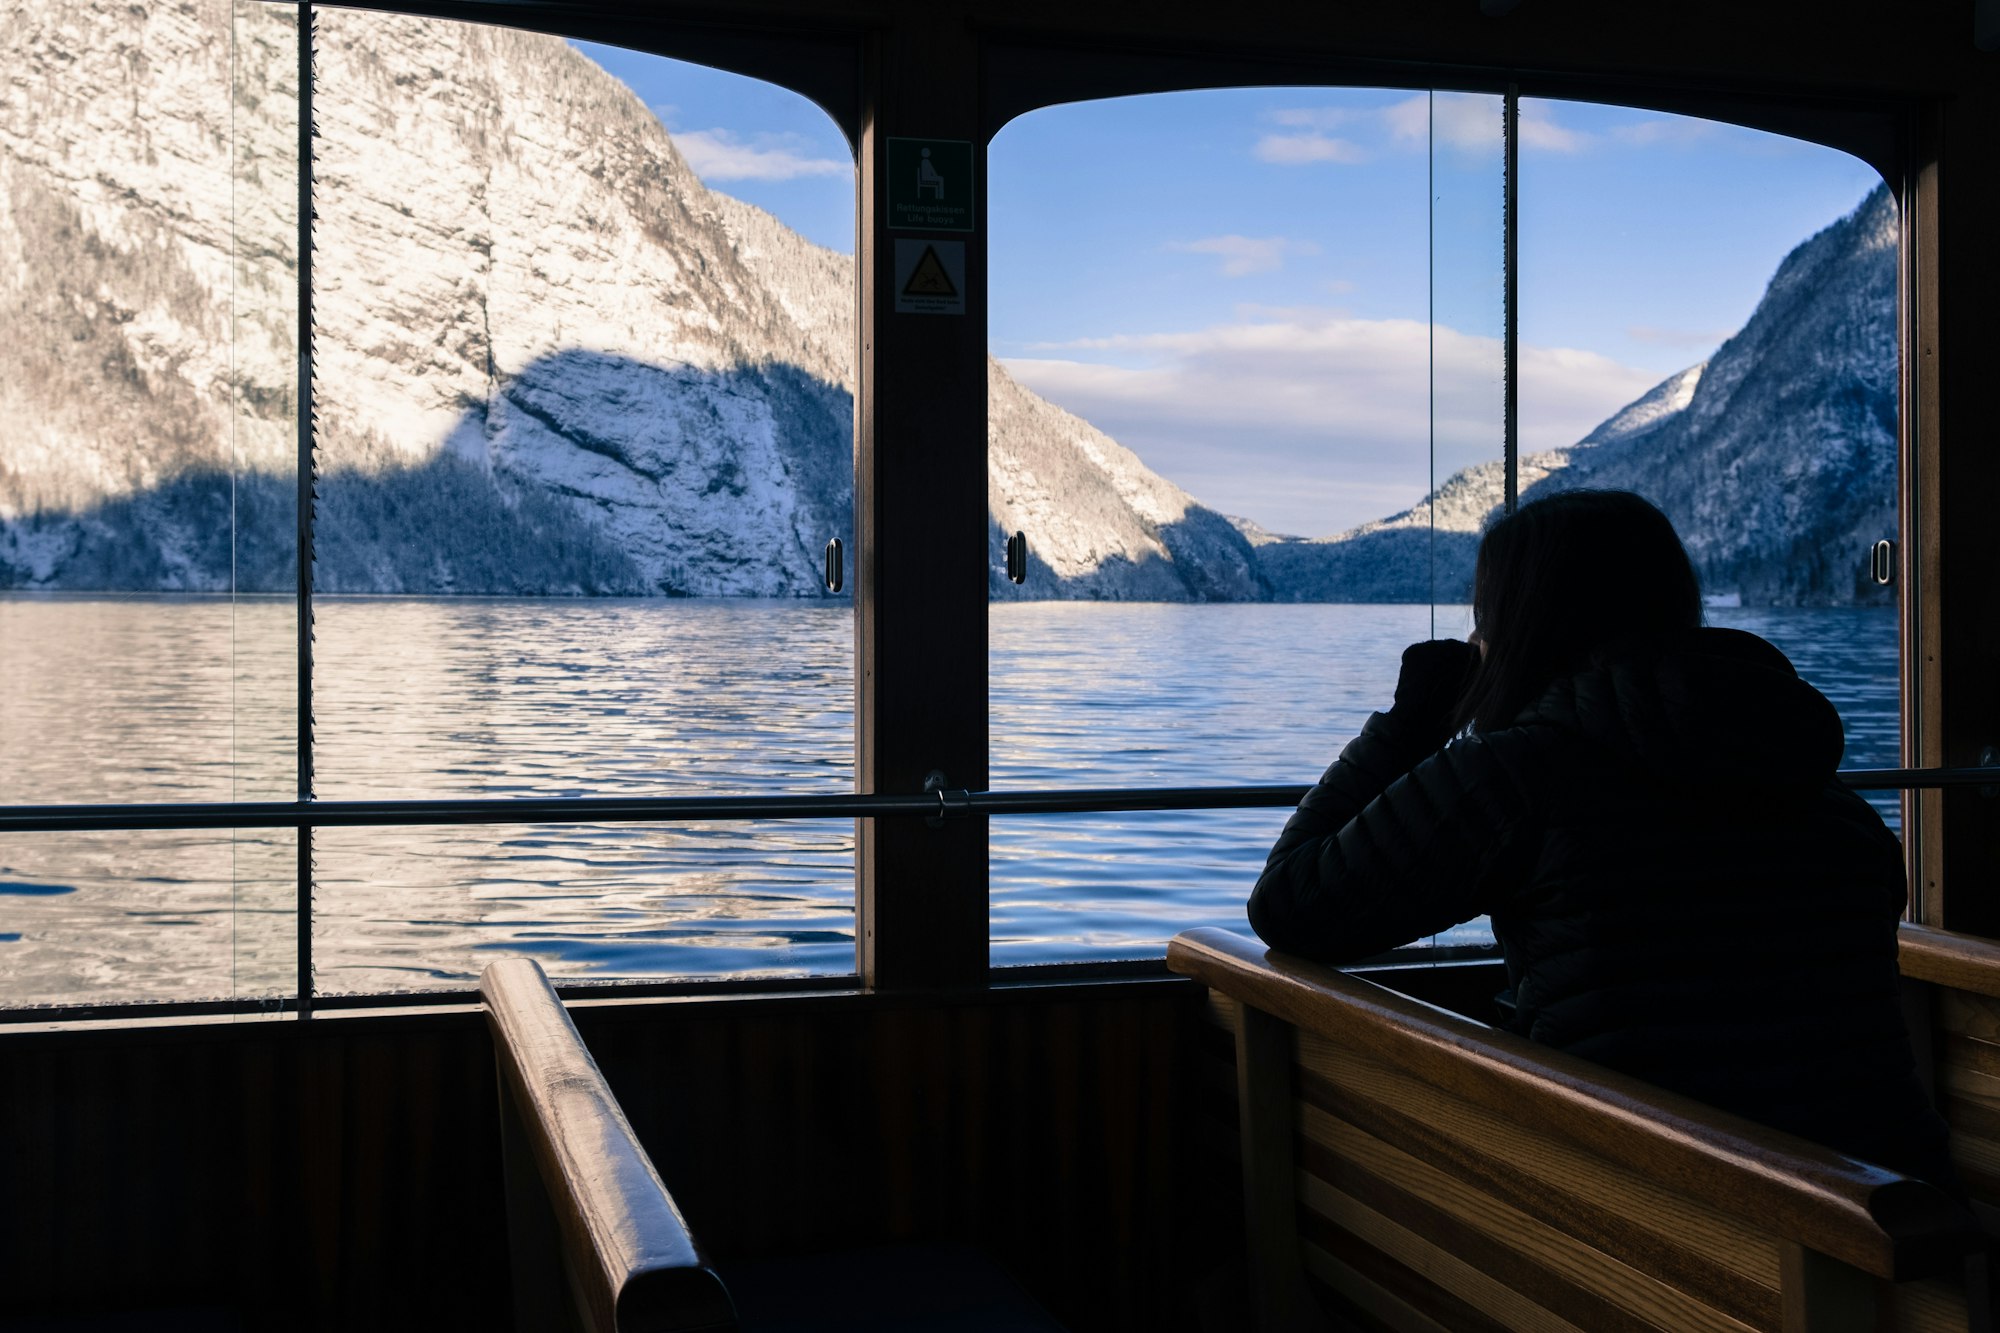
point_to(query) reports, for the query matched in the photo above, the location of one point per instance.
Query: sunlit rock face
(128, 259)
(547, 359)
(1100, 524)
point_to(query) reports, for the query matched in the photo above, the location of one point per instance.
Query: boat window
(1250, 408)
(580, 346)
(1240, 336)
(585, 395)
(147, 494)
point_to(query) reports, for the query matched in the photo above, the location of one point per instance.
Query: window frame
(921, 893)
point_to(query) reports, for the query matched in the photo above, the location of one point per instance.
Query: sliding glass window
(580, 332)
(1269, 361)
(1241, 337)
(148, 390)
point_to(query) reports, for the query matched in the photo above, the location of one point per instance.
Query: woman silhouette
(1648, 812)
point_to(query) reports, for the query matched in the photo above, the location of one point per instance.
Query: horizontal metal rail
(679, 809)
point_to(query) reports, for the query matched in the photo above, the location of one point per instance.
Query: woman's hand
(1434, 678)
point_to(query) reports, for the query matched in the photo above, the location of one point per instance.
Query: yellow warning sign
(930, 279)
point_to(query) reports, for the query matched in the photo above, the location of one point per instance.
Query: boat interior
(1216, 1138)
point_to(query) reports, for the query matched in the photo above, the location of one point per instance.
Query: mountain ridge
(549, 360)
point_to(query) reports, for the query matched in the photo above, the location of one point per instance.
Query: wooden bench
(597, 1243)
(1428, 1172)
(1956, 984)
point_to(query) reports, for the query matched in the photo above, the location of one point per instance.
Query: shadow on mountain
(440, 526)
(588, 475)
(1207, 560)
(1404, 564)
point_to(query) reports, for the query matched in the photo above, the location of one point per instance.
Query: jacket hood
(1718, 704)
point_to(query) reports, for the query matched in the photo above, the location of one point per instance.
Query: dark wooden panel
(920, 535)
(293, 1172)
(345, 1174)
(1055, 1135)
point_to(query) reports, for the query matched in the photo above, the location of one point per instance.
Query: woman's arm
(1399, 840)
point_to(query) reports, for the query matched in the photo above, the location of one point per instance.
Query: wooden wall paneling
(346, 1174)
(1920, 585)
(1049, 1132)
(1964, 173)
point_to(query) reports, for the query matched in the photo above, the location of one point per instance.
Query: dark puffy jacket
(1682, 888)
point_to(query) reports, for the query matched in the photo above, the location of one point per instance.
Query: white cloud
(1471, 122)
(1316, 117)
(1310, 422)
(1703, 340)
(1244, 255)
(1461, 122)
(1674, 130)
(1295, 150)
(1539, 130)
(723, 155)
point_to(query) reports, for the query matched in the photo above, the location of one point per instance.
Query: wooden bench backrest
(1441, 1174)
(630, 1262)
(1962, 975)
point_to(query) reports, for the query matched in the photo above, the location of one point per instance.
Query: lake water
(190, 699)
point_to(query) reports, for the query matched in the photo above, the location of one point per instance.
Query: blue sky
(1241, 284)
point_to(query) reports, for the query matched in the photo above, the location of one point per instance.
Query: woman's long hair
(1562, 581)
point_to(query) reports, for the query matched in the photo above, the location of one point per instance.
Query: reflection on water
(164, 699)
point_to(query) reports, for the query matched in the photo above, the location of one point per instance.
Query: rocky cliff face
(1780, 471)
(549, 361)
(1775, 459)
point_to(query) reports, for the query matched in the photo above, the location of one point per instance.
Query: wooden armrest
(1945, 958)
(1885, 1224)
(624, 1242)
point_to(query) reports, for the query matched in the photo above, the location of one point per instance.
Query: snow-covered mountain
(1775, 459)
(549, 360)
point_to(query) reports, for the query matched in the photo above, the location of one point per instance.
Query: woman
(1648, 811)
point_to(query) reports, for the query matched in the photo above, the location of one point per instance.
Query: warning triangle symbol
(929, 279)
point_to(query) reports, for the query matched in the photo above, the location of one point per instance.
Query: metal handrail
(675, 809)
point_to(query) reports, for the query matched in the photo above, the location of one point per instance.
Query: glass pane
(1742, 289)
(264, 433)
(422, 909)
(585, 428)
(140, 249)
(104, 918)
(1468, 329)
(1211, 415)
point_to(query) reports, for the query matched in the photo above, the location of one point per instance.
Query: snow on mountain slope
(1775, 459)
(549, 360)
